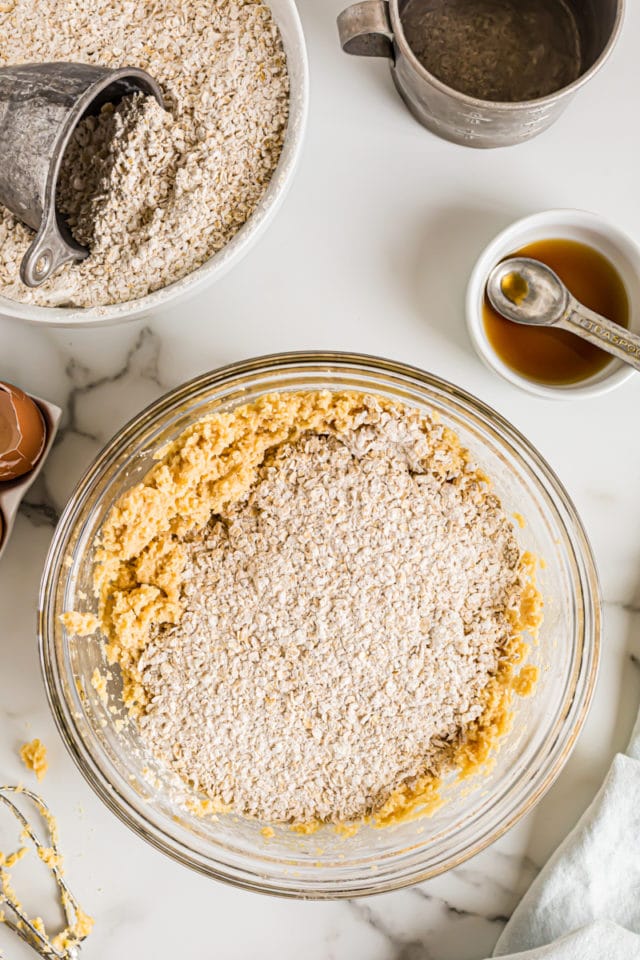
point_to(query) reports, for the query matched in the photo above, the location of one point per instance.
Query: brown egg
(22, 432)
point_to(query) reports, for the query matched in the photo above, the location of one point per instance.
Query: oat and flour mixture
(340, 625)
(316, 603)
(153, 193)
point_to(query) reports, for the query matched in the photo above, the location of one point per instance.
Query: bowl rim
(240, 244)
(513, 235)
(258, 880)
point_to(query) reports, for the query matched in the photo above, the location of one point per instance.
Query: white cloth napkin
(585, 903)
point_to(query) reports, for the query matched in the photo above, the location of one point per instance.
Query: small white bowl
(285, 14)
(585, 227)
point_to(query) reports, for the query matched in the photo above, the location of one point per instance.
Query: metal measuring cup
(41, 104)
(374, 28)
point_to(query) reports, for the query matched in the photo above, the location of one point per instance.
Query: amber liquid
(554, 356)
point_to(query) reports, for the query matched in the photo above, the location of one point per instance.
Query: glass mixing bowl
(324, 864)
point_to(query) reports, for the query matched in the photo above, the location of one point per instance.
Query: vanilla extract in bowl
(552, 356)
(498, 50)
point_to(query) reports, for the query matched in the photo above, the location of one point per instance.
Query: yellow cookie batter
(34, 757)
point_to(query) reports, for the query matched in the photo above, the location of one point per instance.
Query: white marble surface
(371, 252)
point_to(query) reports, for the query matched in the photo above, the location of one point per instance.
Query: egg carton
(13, 491)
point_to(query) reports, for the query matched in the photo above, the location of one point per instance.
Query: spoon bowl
(527, 291)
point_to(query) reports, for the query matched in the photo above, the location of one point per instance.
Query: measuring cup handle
(365, 29)
(603, 333)
(48, 251)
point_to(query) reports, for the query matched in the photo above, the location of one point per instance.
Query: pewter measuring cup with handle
(41, 104)
(374, 28)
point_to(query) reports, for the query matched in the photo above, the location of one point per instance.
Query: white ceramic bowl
(585, 227)
(286, 16)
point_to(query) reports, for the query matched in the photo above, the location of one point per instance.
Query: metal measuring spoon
(528, 291)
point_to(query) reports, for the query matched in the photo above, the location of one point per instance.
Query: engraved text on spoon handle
(602, 333)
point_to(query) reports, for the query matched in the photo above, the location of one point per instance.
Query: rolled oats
(154, 194)
(340, 624)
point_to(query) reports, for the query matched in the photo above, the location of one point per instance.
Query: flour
(153, 193)
(340, 624)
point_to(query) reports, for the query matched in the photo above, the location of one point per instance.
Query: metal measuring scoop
(41, 104)
(528, 291)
